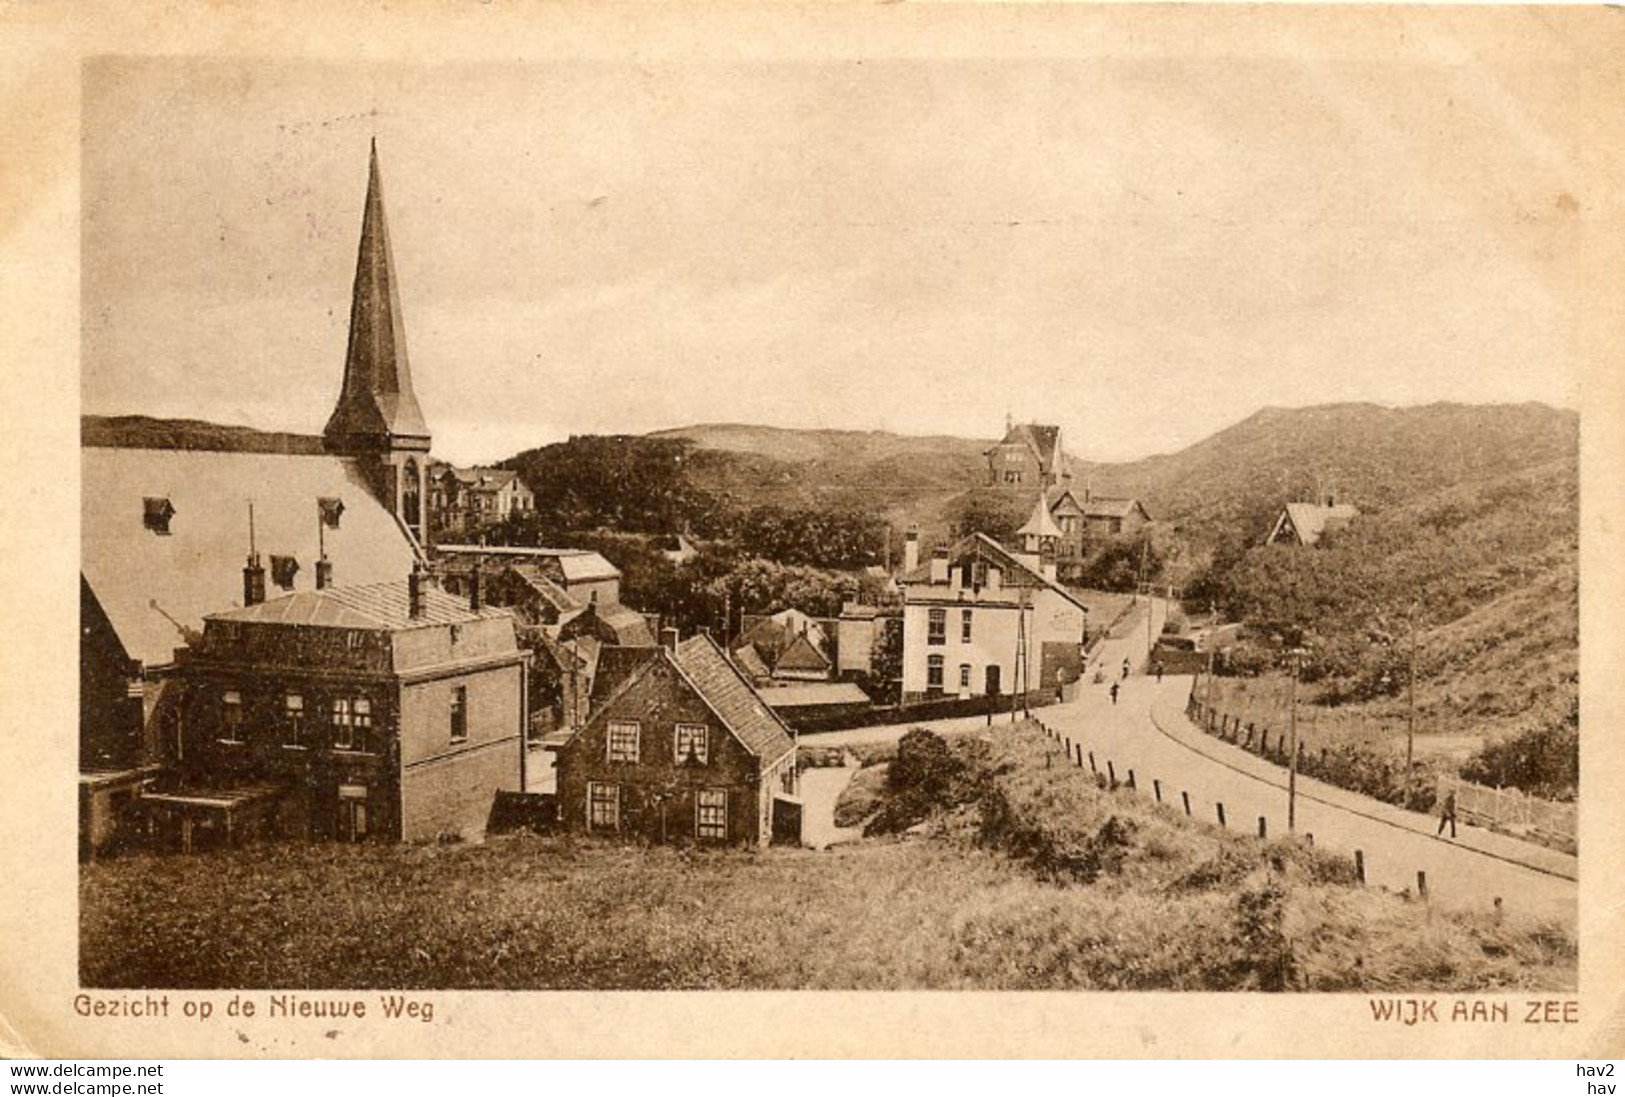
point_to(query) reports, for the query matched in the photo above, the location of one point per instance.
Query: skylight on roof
(156, 513)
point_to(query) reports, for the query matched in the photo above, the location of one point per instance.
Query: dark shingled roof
(615, 666)
(802, 654)
(732, 698)
(376, 400)
(1040, 438)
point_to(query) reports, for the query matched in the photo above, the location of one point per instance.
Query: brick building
(680, 749)
(390, 711)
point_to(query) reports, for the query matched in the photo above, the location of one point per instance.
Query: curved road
(1148, 732)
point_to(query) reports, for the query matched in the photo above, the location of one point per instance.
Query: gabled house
(788, 645)
(1306, 523)
(1029, 455)
(681, 750)
(465, 500)
(980, 620)
(1083, 520)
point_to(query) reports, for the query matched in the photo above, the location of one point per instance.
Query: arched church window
(411, 501)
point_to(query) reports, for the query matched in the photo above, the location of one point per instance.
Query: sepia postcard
(888, 530)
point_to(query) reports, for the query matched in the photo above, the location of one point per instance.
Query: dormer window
(283, 570)
(156, 513)
(331, 510)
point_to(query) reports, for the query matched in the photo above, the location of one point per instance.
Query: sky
(1141, 248)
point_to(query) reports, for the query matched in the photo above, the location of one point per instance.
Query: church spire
(377, 410)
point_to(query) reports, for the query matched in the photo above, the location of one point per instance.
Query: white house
(966, 613)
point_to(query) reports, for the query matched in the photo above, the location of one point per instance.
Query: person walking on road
(1447, 813)
(1159, 673)
(1125, 669)
(1114, 693)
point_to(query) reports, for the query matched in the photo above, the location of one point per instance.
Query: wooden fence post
(1421, 884)
(1221, 814)
(1263, 827)
(1156, 789)
(1359, 866)
(1130, 781)
(1185, 796)
(1111, 773)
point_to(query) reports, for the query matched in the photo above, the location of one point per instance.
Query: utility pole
(1410, 723)
(1292, 746)
(1209, 676)
(1018, 672)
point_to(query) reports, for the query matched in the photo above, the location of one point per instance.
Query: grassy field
(1043, 882)
(1379, 727)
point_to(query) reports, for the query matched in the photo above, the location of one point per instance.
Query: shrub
(923, 777)
(1541, 761)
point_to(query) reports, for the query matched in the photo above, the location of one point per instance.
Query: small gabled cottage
(1306, 523)
(682, 750)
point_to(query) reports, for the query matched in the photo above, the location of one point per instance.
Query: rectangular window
(711, 815)
(293, 711)
(232, 717)
(342, 721)
(362, 727)
(459, 713)
(964, 676)
(351, 719)
(936, 626)
(623, 740)
(691, 739)
(603, 806)
(933, 672)
(964, 626)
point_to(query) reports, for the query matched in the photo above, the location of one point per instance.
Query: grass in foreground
(1044, 882)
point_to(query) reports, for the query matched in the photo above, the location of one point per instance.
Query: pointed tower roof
(1040, 524)
(377, 408)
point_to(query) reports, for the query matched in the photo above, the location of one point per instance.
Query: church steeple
(377, 419)
(377, 409)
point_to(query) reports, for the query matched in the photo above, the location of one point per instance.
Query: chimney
(474, 591)
(668, 639)
(939, 564)
(911, 549)
(253, 571)
(324, 573)
(414, 592)
(253, 581)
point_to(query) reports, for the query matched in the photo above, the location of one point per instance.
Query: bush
(1541, 761)
(924, 777)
